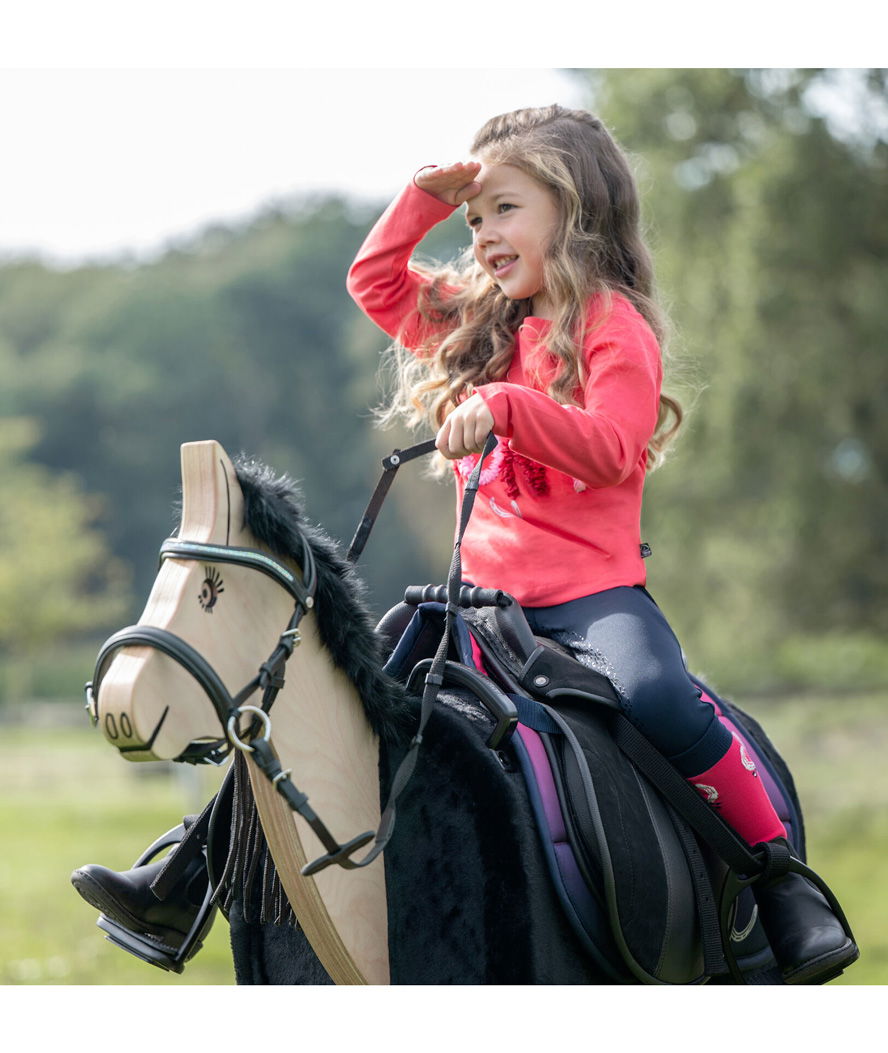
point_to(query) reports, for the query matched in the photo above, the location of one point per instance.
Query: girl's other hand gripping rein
(453, 184)
(466, 429)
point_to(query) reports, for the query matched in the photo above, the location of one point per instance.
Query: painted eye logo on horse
(210, 590)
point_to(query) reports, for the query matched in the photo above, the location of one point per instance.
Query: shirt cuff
(497, 400)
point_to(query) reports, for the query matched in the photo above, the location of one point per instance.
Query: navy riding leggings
(622, 633)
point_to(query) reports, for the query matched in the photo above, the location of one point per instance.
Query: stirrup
(150, 948)
(776, 863)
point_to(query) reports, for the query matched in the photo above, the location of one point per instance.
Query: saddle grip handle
(469, 596)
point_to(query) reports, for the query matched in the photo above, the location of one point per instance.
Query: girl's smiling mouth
(500, 265)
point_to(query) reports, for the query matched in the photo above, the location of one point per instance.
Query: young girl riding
(547, 334)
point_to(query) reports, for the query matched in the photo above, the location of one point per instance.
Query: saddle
(650, 899)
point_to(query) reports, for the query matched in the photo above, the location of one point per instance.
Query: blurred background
(173, 250)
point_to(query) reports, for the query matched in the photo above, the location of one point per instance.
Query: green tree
(57, 577)
(769, 220)
(245, 335)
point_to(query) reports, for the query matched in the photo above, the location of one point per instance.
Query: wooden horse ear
(212, 502)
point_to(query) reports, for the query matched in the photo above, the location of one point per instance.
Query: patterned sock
(733, 787)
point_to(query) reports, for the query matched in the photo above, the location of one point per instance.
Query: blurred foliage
(54, 819)
(57, 577)
(767, 214)
(767, 207)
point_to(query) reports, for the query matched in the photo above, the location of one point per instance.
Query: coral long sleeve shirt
(558, 511)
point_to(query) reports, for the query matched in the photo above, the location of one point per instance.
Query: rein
(435, 676)
(270, 676)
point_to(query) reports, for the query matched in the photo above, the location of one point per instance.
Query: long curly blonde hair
(598, 248)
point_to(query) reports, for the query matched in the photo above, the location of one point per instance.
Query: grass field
(68, 799)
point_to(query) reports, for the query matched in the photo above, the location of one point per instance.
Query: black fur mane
(274, 516)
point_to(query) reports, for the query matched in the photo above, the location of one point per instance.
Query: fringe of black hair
(250, 875)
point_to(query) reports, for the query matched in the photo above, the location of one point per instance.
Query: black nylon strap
(714, 963)
(684, 798)
(191, 845)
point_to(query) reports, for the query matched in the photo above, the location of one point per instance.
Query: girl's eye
(504, 206)
(474, 221)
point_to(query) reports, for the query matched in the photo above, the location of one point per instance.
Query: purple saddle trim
(584, 912)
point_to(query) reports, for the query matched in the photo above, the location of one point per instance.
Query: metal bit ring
(232, 734)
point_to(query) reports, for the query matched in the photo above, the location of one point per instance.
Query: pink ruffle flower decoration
(466, 465)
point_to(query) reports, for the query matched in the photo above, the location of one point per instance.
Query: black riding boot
(126, 898)
(161, 910)
(808, 940)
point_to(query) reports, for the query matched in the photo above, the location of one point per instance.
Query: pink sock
(732, 786)
(477, 657)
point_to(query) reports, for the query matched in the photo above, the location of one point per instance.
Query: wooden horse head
(226, 618)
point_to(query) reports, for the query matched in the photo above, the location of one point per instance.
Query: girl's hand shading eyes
(453, 184)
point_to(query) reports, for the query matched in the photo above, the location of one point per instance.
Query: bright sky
(123, 125)
(116, 160)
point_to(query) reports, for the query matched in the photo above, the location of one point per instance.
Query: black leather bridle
(270, 676)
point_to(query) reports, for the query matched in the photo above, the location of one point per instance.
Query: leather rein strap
(433, 681)
(390, 466)
(263, 753)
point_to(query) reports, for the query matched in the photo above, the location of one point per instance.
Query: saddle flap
(624, 837)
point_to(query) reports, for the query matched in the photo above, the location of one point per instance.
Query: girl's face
(513, 220)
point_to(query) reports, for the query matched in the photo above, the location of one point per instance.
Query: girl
(547, 334)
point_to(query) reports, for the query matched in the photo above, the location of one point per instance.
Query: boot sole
(97, 897)
(146, 947)
(825, 968)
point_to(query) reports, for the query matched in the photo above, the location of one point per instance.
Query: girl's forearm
(380, 280)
